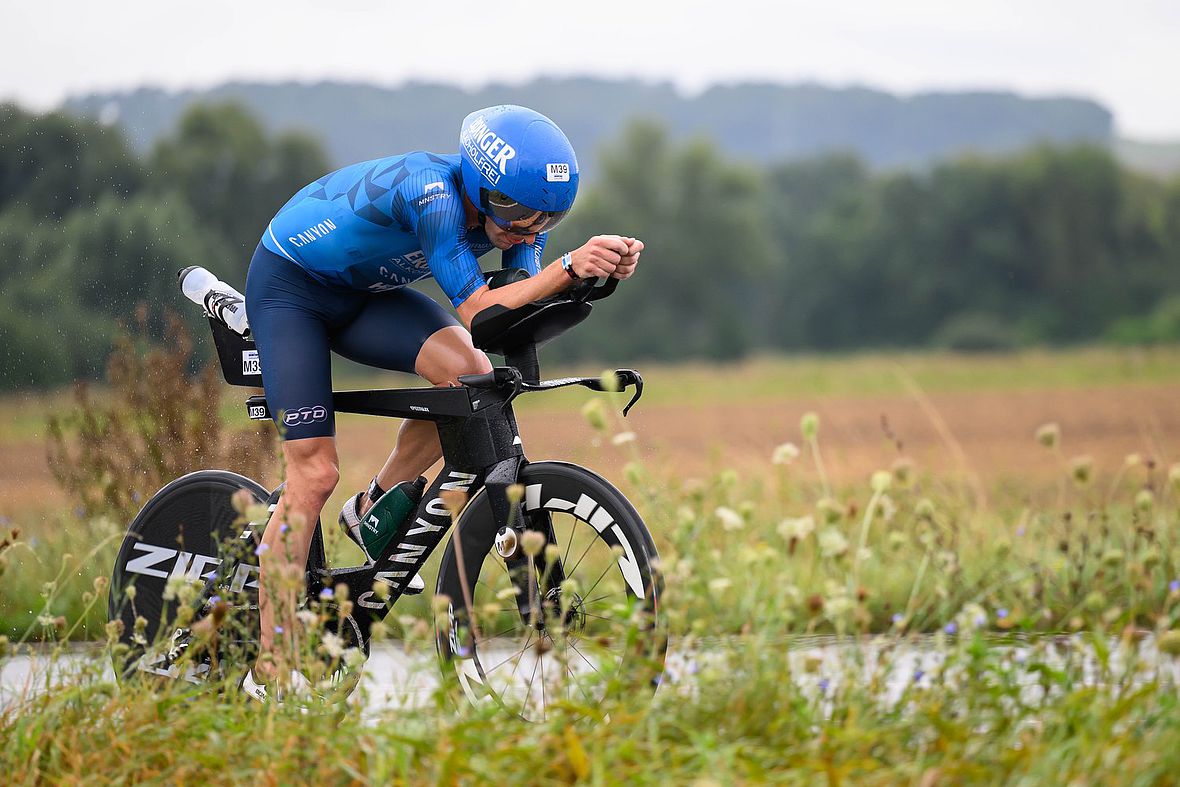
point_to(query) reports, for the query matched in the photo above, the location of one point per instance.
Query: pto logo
(305, 415)
(489, 152)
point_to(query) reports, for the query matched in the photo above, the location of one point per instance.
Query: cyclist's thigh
(290, 323)
(391, 328)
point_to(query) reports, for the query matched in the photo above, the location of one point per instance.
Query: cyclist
(330, 274)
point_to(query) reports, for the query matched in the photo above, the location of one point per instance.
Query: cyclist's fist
(626, 267)
(599, 257)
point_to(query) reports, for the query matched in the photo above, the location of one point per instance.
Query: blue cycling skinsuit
(331, 271)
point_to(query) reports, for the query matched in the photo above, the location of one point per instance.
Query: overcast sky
(1125, 54)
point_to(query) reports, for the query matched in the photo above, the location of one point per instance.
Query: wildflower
(1174, 586)
(727, 477)
(796, 528)
(829, 509)
(886, 509)
(307, 617)
(925, 509)
(832, 543)
(353, 657)
(951, 628)
(173, 587)
(114, 629)
(897, 540)
(380, 589)
(1082, 469)
(241, 500)
(809, 426)
(1095, 601)
(283, 527)
(533, 541)
(333, 645)
(880, 482)
(514, 493)
(1113, 557)
(685, 515)
(824, 685)
(261, 548)
(279, 629)
(341, 590)
(610, 381)
(1144, 500)
(919, 674)
(100, 584)
(898, 620)
(594, 413)
(1048, 435)
(1132, 460)
(552, 553)
(785, 454)
(633, 472)
(623, 438)
(378, 631)
(326, 593)
(730, 519)
(1001, 613)
(1174, 476)
(719, 584)
(130, 592)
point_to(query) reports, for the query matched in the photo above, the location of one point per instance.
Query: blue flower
(950, 628)
(1174, 586)
(1002, 613)
(261, 548)
(326, 593)
(278, 629)
(897, 618)
(283, 527)
(214, 599)
(824, 683)
(918, 675)
(1019, 531)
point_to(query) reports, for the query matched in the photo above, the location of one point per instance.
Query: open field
(964, 418)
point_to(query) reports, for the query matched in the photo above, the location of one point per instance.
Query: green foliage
(233, 176)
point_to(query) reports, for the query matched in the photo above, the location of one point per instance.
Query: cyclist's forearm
(550, 281)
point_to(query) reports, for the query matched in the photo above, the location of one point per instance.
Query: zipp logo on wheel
(305, 415)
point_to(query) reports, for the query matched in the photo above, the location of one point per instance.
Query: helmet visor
(510, 216)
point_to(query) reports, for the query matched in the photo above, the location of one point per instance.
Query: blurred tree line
(1053, 245)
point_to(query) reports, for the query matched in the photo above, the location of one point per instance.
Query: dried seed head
(595, 414)
(1049, 435)
(809, 426)
(880, 481)
(514, 493)
(610, 381)
(1081, 468)
(1145, 500)
(532, 542)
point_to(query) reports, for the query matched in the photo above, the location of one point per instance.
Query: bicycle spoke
(589, 546)
(600, 576)
(588, 661)
(544, 697)
(532, 677)
(499, 634)
(569, 543)
(514, 655)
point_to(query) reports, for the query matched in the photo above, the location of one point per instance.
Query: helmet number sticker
(557, 173)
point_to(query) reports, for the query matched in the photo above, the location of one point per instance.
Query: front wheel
(576, 622)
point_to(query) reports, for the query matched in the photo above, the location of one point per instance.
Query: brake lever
(630, 377)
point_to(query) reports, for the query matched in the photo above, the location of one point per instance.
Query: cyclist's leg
(290, 317)
(408, 331)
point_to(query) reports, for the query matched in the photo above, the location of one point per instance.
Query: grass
(1051, 619)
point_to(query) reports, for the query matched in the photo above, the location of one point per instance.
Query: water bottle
(218, 299)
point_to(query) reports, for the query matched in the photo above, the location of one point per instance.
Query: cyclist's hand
(599, 257)
(626, 267)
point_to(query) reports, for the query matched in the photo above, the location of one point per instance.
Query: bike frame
(481, 448)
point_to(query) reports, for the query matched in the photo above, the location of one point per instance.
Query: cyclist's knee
(312, 470)
(448, 354)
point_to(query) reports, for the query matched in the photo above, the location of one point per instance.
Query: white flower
(307, 617)
(797, 528)
(353, 657)
(785, 454)
(832, 543)
(719, 584)
(333, 645)
(623, 437)
(730, 519)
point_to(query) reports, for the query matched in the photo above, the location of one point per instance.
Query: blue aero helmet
(518, 168)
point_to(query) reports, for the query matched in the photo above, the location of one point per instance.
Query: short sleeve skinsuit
(331, 270)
